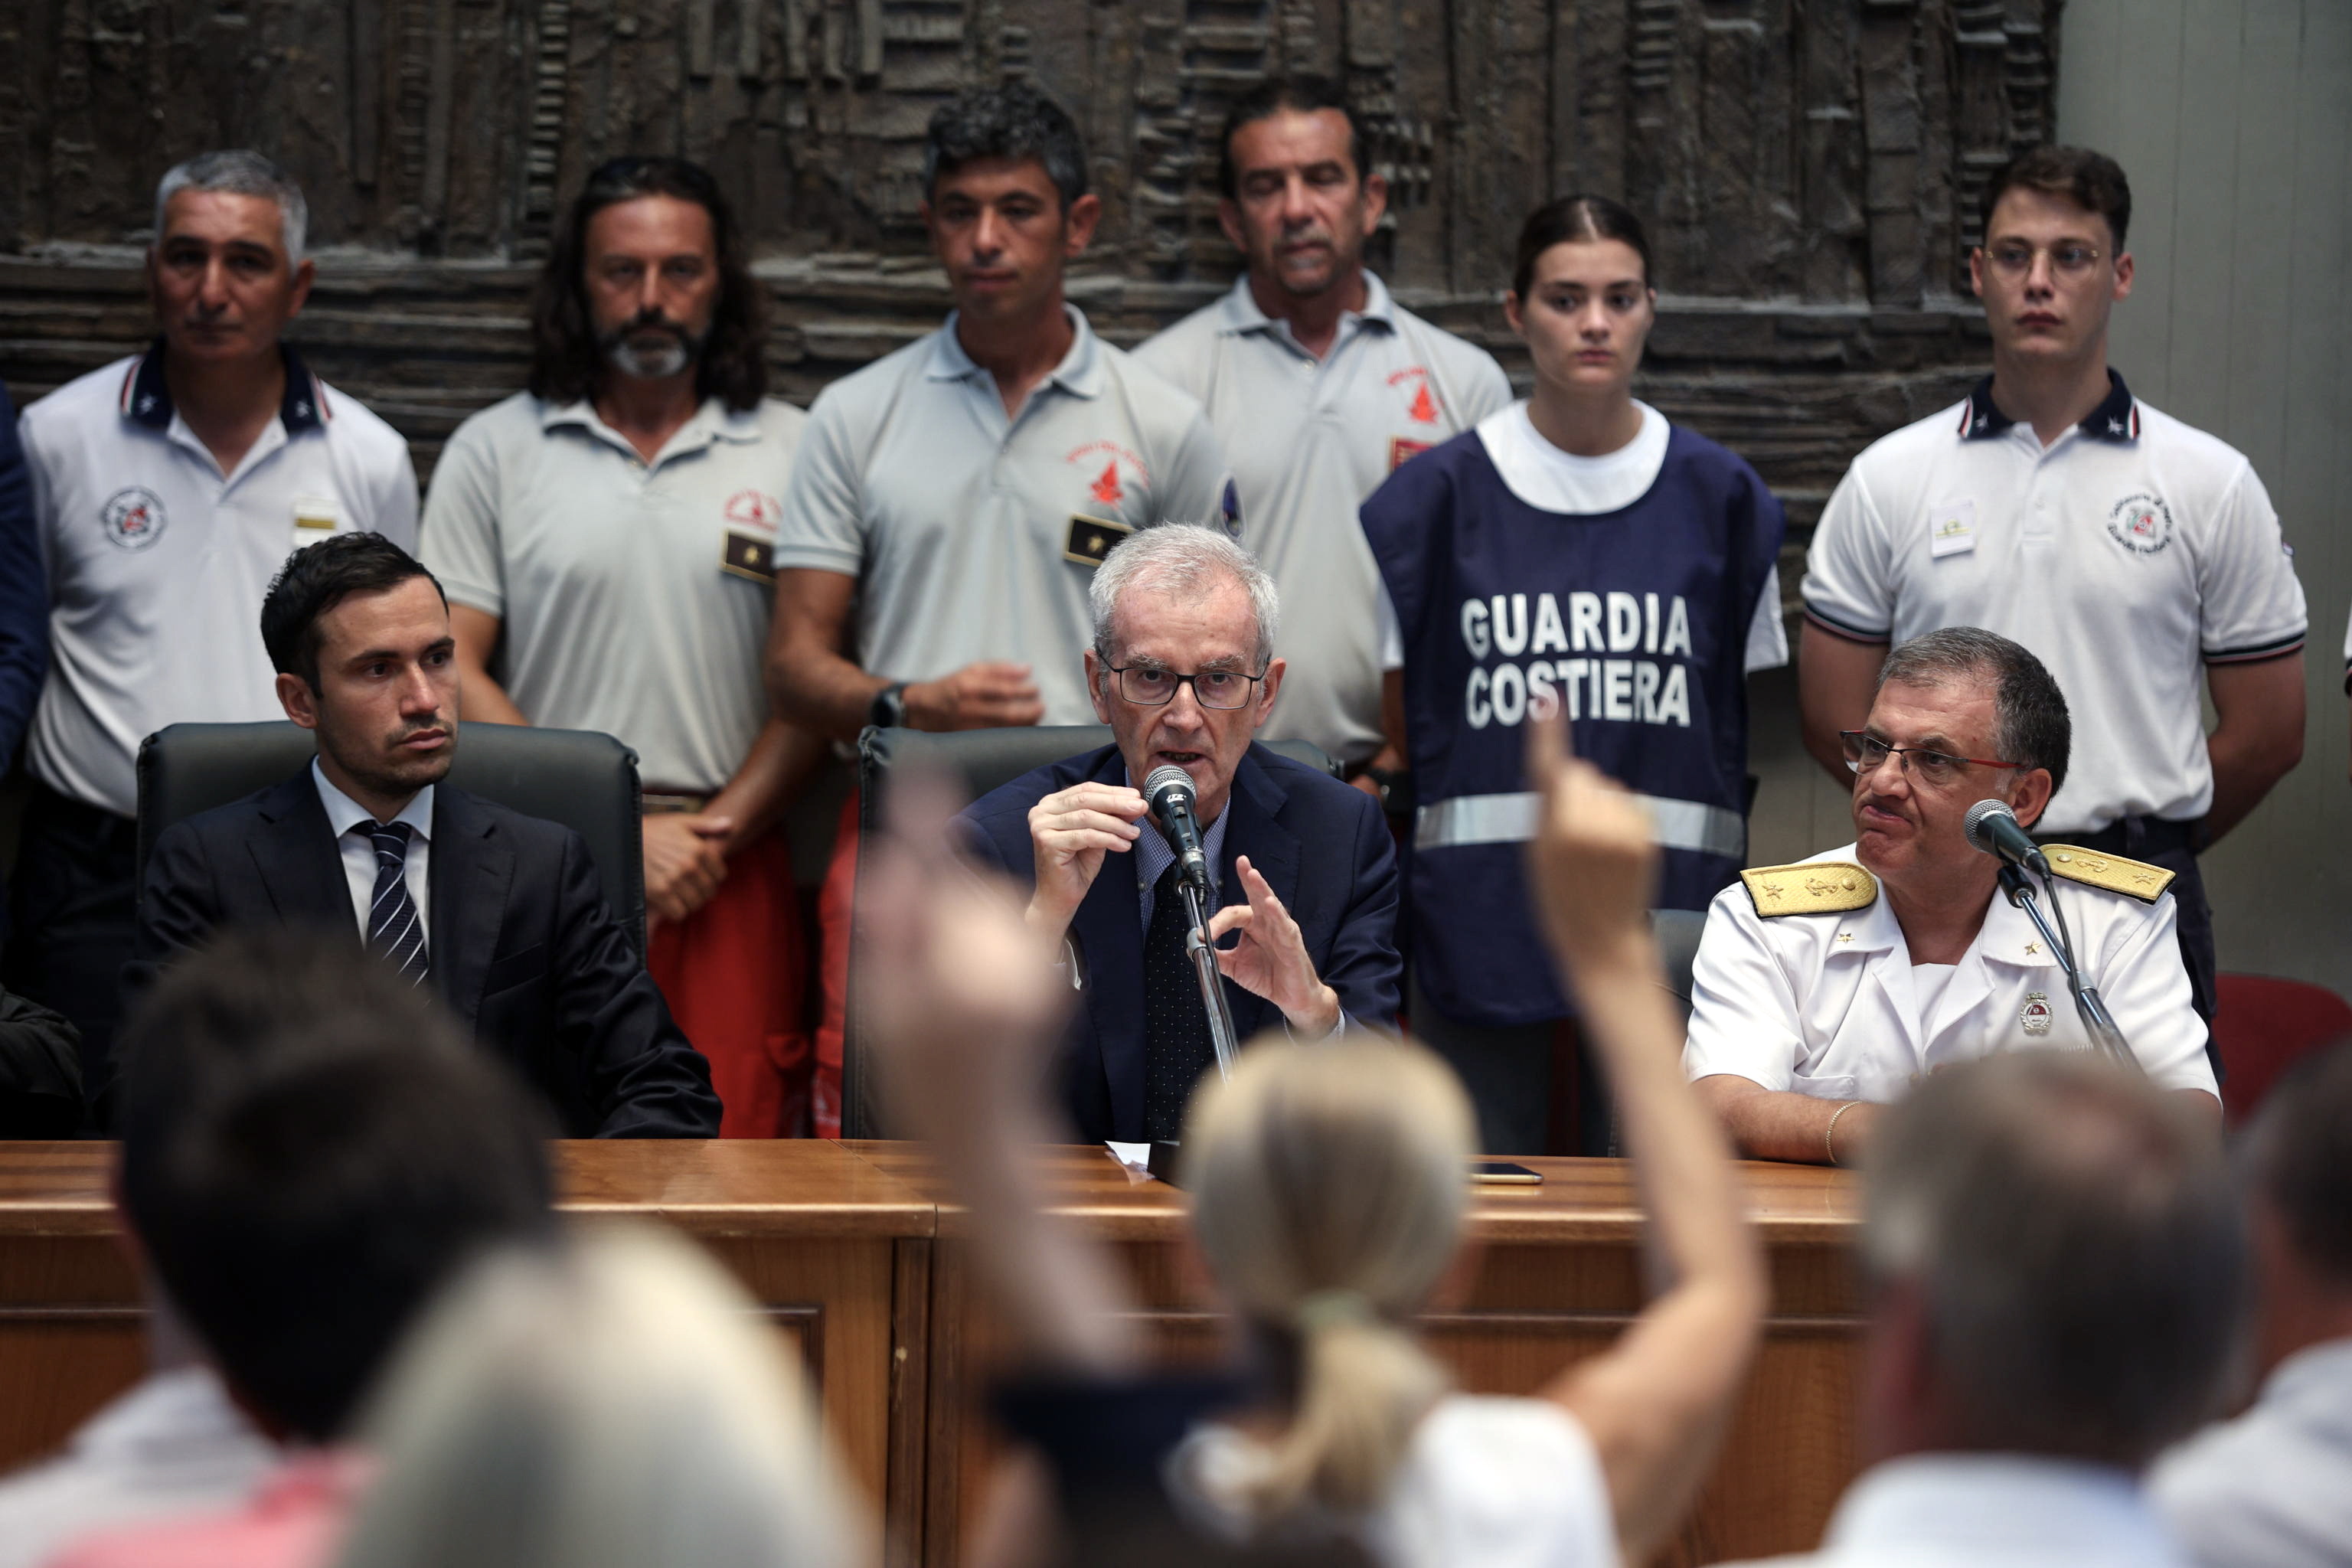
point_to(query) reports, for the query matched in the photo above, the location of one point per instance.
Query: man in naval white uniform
(1822, 990)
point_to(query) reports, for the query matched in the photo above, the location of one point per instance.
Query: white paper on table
(1135, 1157)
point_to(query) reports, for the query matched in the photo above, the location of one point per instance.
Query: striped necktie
(395, 928)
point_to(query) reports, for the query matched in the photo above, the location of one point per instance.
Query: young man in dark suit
(1183, 672)
(500, 911)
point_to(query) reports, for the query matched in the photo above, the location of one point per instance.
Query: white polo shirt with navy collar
(158, 562)
(973, 536)
(1309, 439)
(634, 597)
(2127, 555)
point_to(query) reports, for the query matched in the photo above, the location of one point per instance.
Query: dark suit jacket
(1323, 846)
(522, 948)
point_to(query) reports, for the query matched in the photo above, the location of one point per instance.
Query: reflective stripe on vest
(1511, 820)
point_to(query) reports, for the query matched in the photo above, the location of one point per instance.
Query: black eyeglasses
(1864, 751)
(1149, 686)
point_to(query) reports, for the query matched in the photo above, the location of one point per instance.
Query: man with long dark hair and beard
(607, 539)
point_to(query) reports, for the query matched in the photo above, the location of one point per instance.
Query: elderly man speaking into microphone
(1823, 990)
(1302, 872)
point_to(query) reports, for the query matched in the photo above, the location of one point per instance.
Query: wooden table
(848, 1250)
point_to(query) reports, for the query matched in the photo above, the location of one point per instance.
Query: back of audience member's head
(308, 1151)
(2298, 1166)
(1329, 1192)
(2070, 1233)
(616, 1402)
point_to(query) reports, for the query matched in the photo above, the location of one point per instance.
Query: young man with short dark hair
(501, 913)
(1319, 384)
(950, 501)
(167, 488)
(2138, 557)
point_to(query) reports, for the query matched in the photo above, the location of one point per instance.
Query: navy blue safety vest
(1636, 618)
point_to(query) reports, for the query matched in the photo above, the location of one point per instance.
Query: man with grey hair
(1822, 990)
(167, 488)
(950, 501)
(1183, 670)
(2058, 1275)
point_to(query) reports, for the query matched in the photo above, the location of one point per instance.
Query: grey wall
(2233, 118)
(2234, 121)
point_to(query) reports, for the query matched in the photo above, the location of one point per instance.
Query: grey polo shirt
(158, 562)
(973, 536)
(1309, 440)
(634, 597)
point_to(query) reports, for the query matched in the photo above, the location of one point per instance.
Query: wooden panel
(850, 1254)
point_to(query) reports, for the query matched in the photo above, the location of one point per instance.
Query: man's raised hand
(1594, 858)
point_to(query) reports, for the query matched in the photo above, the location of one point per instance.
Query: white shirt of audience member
(1992, 1511)
(1486, 1483)
(2274, 1488)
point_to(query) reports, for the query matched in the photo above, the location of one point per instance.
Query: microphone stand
(1204, 954)
(1162, 1161)
(2104, 1032)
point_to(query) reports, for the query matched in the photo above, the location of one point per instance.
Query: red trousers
(734, 973)
(832, 905)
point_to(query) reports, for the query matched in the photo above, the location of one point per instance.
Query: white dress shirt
(358, 851)
(2274, 1488)
(171, 1445)
(1992, 1510)
(1831, 1005)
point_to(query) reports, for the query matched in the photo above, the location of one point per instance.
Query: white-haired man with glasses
(1182, 669)
(1822, 990)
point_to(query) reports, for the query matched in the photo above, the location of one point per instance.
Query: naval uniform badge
(2035, 1015)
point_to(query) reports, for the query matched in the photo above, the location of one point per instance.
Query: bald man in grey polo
(1309, 440)
(973, 536)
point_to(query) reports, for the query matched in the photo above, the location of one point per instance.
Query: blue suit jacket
(522, 948)
(1322, 846)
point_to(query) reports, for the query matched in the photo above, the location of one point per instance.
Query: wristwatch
(889, 710)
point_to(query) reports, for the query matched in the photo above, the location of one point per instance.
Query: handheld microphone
(1169, 792)
(1992, 827)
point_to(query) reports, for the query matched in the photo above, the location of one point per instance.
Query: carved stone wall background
(1810, 171)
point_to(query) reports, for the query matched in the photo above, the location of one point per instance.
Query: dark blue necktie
(395, 928)
(1176, 1047)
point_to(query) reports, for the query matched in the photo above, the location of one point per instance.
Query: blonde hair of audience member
(1329, 1198)
(615, 1406)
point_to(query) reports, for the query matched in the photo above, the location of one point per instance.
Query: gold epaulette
(1811, 888)
(2132, 878)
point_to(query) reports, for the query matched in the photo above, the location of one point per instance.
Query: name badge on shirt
(1952, 528)
(315, 518)
(747, 555)
(1092, 538)
(1403, 450)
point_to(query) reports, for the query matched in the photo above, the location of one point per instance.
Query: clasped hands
(1072, 830)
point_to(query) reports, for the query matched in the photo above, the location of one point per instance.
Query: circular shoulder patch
(2141, 523)
(133, 517)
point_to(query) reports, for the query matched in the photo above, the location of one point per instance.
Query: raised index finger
(1550, 746)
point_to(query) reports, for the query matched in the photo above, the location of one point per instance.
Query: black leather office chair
(586, 781)
(976, 761)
